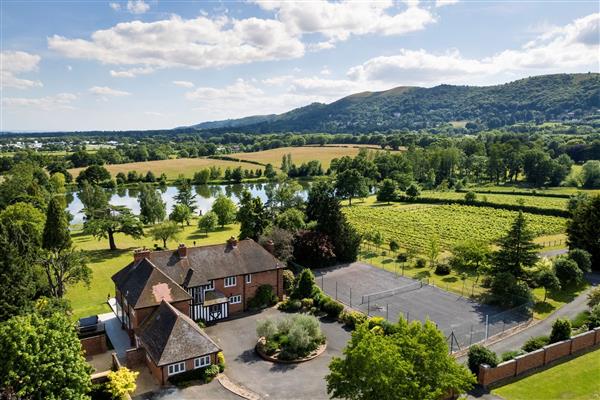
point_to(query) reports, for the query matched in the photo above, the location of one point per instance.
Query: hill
(536, 99)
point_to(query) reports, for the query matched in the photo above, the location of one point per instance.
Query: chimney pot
(140, 254)
(182, 250)
(232, 241)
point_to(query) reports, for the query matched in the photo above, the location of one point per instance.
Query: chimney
(269, 246)
(182, 250)
(140, 254)
(232, 242)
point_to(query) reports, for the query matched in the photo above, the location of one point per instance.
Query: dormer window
(230, 281)
(210, 286)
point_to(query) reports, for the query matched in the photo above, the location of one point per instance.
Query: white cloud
(337, 21)
(59, 101)
(115, 6)
(325, 71)
(14, 63)
(137, 6)
(131, 72)
(106, 91)
(441, 3)
(570, 48)
(69, 68)
(192, 43)
(184, 84)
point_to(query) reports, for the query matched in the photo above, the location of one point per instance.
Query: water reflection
(206, 194)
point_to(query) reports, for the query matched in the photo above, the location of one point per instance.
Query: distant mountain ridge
(540, 99)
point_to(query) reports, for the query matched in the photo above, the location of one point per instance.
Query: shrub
(332, 308)
(561, 330)
(288, 281)
(470, 197)
(535, 343)
(266, 328)
(594, 320)
(307, 303)
(567, 271)
(305, 282)
(221, 361)
(421, 263)
(594, 297)
(480, 355)
(442, 269)
(210, 372)
(580, 319)
(319, 297)
(352, 318)
(121, 382)
(509, 355)
(290, 305)
(264, 297)
(582, 258)
(402, 257)
(294, 336)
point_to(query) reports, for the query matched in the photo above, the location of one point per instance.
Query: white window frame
(177, 368)
(236, 299)
(210, 286)
(230, 279)
(248, 279)
(202, 362)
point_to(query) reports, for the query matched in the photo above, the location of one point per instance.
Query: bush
(293, 337)
(594, 297)
(567, 271)
(121, 382)
(402, 257)
(535, 343)
(581, 319)
(594, 320)
(509, 355)
(561, 330)
(221, 361)
(305, 282)
(352, 318)
(210, 372)
(307, 304)
(480, 355)
(332, 308)
(421, 263)
(290, 305)
(442, 269)
(264, 297)
(288, 281)
(582, 258)
(470, 197)
(206, 375)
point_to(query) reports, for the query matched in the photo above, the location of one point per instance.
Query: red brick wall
(94, 345)
(502, 371)
(135, 357)
(529, 361)
(583, 341)
(557, 350)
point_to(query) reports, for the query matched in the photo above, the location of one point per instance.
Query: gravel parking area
(452, 313)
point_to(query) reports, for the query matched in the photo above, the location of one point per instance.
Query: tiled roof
(169, 336)
(144, 285)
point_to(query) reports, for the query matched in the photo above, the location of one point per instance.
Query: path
(553, 253)
(118, 337)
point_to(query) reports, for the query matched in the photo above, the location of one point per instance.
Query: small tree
(121, 382)
(386, 191)
(394, 246)
(305, 283)
(567, 271)
(224, 209)
(152, 207)
(517, 249)
(582, 258)
(94, 174)
(165, 231)
(470, 197)
(480, 355)
(413, 191)
(186, 196)
(252, 216)
(63, 268)
(549, 281)
(181, 214)
(208, 222)
(433, 251)
(561, 330)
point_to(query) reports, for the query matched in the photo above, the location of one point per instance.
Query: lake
(205, 196)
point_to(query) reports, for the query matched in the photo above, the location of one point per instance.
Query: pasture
(172, 167)
(104, 262)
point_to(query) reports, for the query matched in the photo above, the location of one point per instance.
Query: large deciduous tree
(252, 216)
(412, 362)
(65, 267)
(208, 222)
(186, 196)
(583, 229)
(350, 183)
(152, 207)
(106, 222)
(225, 210)
(165, 231)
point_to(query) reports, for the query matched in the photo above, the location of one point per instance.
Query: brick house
(173, 343)
(205, 283)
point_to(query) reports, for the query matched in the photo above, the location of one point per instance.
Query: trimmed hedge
(227, 158)
(536, 194)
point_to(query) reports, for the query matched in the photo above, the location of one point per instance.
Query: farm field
(517, 189)
(172, 167)
(509, 198)
(415, 225)
(104, 263)
(576, 379)
(324, 154)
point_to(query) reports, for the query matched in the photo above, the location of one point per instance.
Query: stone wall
(552, 353)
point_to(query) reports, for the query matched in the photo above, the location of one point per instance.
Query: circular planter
(273, 358)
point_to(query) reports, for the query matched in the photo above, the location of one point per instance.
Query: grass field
(415, 224)
(509, 198)
(577, 379)
(324, 154)
(172, 167)
(520, 189)
(104, 263)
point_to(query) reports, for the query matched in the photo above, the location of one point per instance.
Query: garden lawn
(577, 379)
(172, 167)
(104, 263)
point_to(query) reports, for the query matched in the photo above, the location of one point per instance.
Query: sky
(156, 64)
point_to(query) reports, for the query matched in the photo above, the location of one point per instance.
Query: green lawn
(104, 263)
(577, 379)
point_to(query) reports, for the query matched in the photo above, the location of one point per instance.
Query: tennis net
(367, 298)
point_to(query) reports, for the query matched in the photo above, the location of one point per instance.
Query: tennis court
(377, 292)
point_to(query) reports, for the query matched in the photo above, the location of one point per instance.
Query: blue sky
(151, 64)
